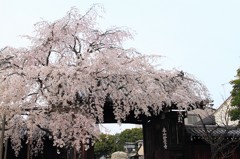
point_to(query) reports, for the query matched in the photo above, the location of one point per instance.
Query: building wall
(222, 114)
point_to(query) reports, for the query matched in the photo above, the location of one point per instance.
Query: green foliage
(235, 114)
(107, 144)
(129, 135)
(235, 93)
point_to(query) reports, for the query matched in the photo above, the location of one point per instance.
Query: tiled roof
(198, 131)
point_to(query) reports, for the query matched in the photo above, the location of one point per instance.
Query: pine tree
(235, 93)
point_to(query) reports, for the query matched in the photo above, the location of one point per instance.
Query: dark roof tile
(198, 131)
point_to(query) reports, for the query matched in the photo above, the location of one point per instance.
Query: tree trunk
(214, 152)
(29, 149)
(2, 136)
(74, 153)
(5, 151)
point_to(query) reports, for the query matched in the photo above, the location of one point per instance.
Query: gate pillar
(164, 136)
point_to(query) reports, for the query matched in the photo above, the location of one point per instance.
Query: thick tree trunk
(87, 154)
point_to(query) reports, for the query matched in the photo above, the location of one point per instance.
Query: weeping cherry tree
(57, 87)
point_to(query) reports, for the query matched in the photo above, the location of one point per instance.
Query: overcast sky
(201, 37)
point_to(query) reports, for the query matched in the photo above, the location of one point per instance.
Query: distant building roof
(209, 120)
(205, 114)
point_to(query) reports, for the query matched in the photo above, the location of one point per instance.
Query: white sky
(200, 37)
